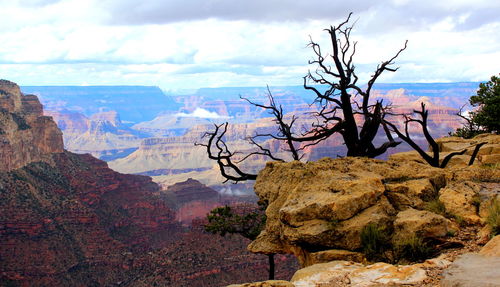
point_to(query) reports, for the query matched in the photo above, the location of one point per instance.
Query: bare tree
(338, 103)
(338, 109)
(434, 159)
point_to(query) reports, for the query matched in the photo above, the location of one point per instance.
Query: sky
(190, 44)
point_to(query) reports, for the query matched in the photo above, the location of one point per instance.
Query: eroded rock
(421, 223)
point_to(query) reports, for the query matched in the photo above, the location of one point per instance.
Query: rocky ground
(363, 222)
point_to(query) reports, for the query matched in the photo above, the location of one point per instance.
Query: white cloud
(219, 43)
(201, 113)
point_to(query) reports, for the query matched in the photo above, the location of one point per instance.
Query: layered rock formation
(26, 135)
(68, 220)
(103, 134)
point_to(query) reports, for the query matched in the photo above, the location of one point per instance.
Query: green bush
(374, 241)
(412, 248)
(493, 218)
(436, 206)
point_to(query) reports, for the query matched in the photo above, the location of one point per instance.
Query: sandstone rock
(452, 144)
(411, 193)
(492, 248)
(328, 203)
(334, 255)
(462, 199)
(491, 198)
(318, 206)
(439, 262)
(348, 234)
(421, 223)
(268, 283)
(484, 235)
(344, 273)
(325, 273)
(490, 158)
(472, 270)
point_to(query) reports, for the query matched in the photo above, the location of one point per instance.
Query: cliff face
(26, 135)
(68, 220)
(63, 215)
(103, 134)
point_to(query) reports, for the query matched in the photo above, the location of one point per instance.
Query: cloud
(231, 192)
(192, 44)
(158, 12)
(201, 113)
(393, 13)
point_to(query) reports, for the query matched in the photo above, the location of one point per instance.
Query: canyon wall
(69, 220)
(26, 135)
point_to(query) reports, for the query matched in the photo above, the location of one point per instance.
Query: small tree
(244, 220)
(486, 119)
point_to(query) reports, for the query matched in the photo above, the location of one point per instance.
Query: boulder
(324, 205)
(462, 199)
(411, 193)
(421, 223)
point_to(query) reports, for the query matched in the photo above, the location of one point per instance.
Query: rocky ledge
(26, 135)
(341, 217)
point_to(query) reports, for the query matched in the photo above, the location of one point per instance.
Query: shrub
(412, 248)
(374, 241)
(493, 218)
(436, 206)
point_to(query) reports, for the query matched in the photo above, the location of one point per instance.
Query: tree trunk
(271, 266)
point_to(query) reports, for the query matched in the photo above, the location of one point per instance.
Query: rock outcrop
(325, 205)
(26, 135)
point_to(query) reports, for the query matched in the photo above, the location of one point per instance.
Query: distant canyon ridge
(144, 130)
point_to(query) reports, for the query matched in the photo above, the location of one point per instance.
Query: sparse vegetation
(412, 248)
(375, 242)
(459, 219)
(493, 218)
(436, 206)
(488, 173)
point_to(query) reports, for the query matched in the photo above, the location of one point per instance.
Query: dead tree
(344, 108)
(434, 158)
(339, 103)
(217, 150)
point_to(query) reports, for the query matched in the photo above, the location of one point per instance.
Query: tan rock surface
(269, 283)
(461, 199)
(421, 223)
(333, 255)
(344, 273)
(492, 248)
(328, 203)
